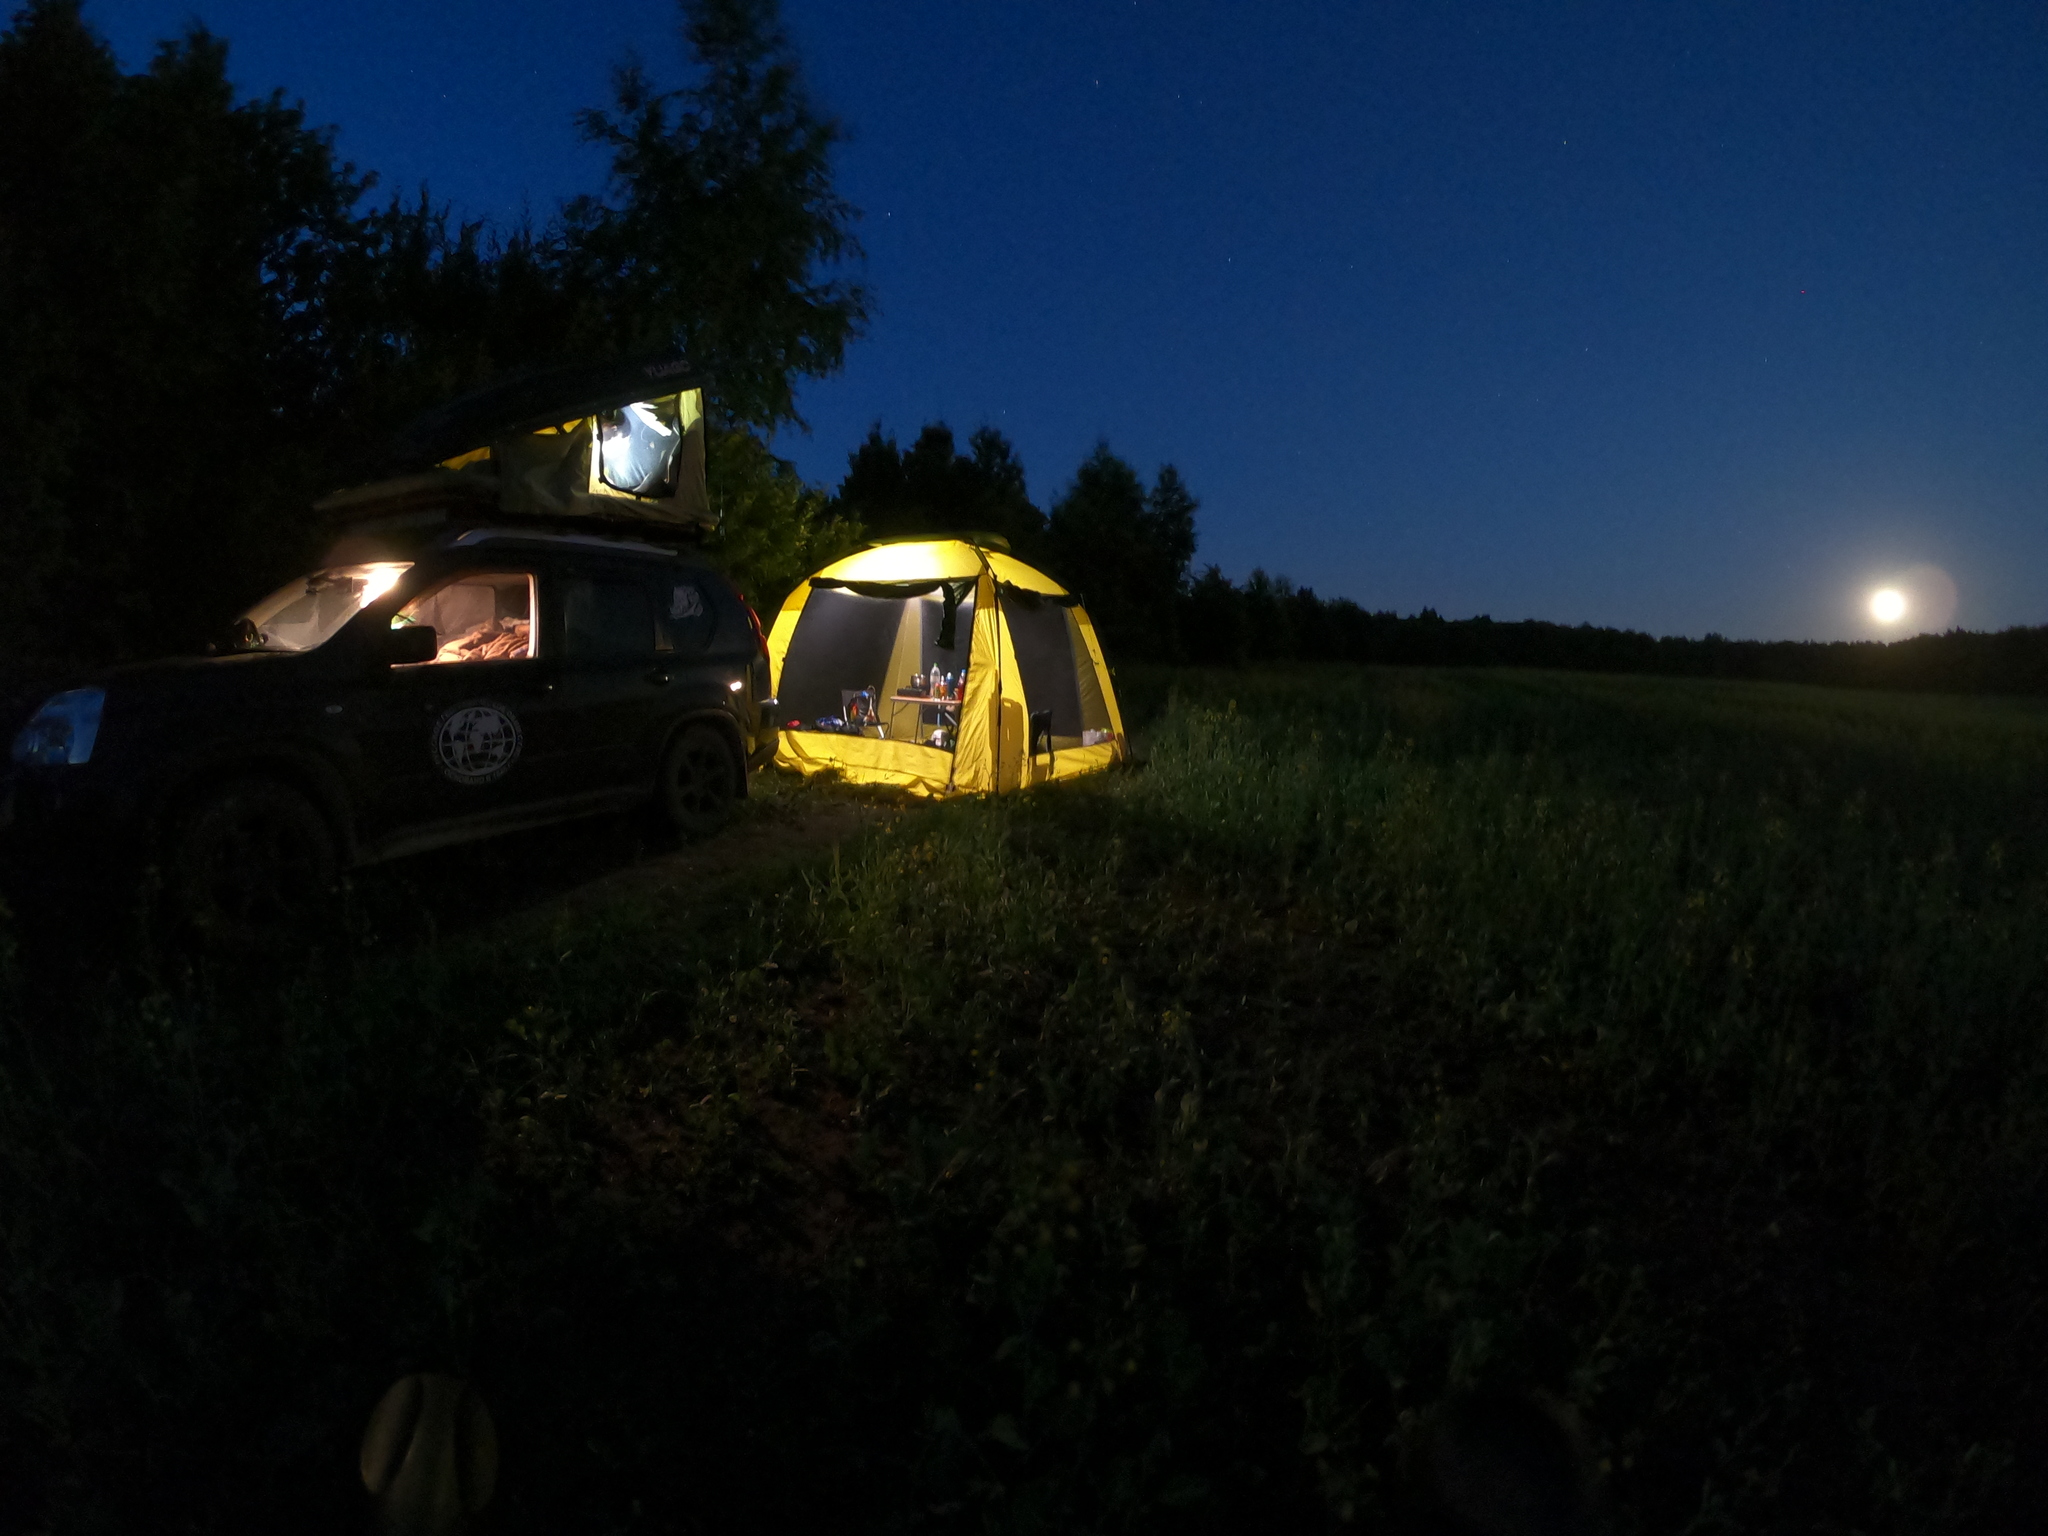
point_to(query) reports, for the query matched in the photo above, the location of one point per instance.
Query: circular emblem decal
(477, 742)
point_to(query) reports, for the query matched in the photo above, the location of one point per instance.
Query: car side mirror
(414, 643)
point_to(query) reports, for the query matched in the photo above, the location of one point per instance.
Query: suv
(490, 679)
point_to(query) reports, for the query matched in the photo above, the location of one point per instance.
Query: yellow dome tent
(942, 666)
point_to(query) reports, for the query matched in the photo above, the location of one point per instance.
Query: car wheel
(698, 785)
(250, 861)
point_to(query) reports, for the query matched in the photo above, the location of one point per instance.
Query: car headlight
(62, 730)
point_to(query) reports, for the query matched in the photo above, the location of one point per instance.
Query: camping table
(948, 711)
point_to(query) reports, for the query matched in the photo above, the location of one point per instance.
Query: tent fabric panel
(1045, 666)
(542, 472)
(1072, 762)
(866, 760)
(1085, 627)
(926, 560)
(840, 641)
(939, 560)
(975, 747)
(1014, 571)
(1009, 726)
(1087, 682)
(782, 630)
(1031, 598)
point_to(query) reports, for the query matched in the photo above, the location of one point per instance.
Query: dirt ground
(689, 873)
(589, 864)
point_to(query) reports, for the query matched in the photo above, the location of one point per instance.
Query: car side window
(478, 616)
(606, 618)
(684, 613)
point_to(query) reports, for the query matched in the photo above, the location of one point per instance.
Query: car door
(707, 644)
(474, 733)
(615, 675)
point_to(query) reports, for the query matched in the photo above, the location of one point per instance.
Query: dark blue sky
(1683, 317)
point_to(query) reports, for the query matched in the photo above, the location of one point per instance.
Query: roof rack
(402, 530)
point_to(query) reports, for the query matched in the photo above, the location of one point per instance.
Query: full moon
(1887, 605)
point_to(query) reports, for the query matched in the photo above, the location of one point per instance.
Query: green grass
(1156, 1151)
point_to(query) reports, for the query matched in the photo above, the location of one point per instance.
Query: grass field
(1155, 1152)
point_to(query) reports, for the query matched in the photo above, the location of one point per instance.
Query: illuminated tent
(941, 666)
(611, 442)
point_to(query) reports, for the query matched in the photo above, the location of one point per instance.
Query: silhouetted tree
(164, 257)
(933, 488)
(1125, 551)
(208, 329)
(1308, 625)
(723, 230)
(1271, 620)
(1170, 509)
(1212, 624)
(1268, 617)
(773, 530)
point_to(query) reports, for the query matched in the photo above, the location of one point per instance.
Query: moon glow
(1919, 600)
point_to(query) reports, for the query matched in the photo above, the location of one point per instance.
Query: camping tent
(941, 666)
(619, 442)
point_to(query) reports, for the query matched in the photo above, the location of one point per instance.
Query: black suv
(492, 678)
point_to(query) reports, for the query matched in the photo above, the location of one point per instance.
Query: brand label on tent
(477, 742)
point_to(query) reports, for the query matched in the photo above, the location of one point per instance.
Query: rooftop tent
(610, 441)
(941, 666)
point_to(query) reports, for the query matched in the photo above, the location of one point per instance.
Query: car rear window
(686, 611)
(607, 617)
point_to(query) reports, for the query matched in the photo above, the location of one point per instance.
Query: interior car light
(62, 730)
(380, 579)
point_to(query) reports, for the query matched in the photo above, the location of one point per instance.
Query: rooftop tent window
(305, 613)
(636, 448)
(642, 459)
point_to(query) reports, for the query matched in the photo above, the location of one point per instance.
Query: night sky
(1679, 317)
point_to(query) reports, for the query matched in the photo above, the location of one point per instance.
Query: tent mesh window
(1053, 665)
(842, 642)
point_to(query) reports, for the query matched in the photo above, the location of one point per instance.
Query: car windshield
(307, 612)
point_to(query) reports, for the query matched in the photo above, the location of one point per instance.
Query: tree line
(1268, 620)
(211, 320)
(1129, 551)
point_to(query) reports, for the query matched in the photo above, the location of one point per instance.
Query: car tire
(251, 861)
(699, 781)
